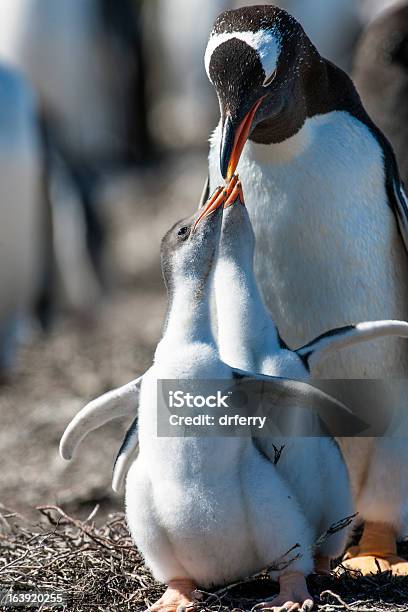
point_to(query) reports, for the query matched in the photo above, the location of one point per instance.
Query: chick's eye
(182, 231)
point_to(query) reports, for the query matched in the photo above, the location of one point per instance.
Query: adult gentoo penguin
(246, 333)
(330, 219)
(333, 25)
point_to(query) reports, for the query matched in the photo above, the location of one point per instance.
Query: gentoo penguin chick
(233, 514)
(124, 400)
(381, 77)
(325, 199)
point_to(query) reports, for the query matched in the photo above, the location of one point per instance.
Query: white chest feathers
(328, 250)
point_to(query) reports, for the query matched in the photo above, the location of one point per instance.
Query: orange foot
(399, 566)
(372, 564)
(377, 551)
(177, 597)
(293, 595)
(365, 564)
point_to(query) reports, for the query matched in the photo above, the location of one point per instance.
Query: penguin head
(189, 251)
(257, 59)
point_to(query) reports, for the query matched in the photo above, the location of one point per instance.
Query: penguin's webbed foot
(178, 597)
(366, 564)
(399, 566)
(376, 552)
(293, 595)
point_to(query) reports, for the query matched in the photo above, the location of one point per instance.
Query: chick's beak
(233, 141)
(234, 192)
(216, 201)
(222, 197)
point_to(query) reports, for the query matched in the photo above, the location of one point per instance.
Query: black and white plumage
(246, 333)
(327, 206)
(333, 25)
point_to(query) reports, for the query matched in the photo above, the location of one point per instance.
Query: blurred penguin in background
(85, 60)
(184, 108)
(23, 218)
(371, 9)
(381, 77)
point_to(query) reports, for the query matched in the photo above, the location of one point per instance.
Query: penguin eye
(270, 79)
(183, 231)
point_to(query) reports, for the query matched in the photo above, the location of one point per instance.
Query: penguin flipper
(125, 456)
(314, 352)
(334, 417)
(112, 405)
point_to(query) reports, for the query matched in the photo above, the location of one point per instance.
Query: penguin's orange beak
(217, 199)
(233, 141)
(234, 192)
(226, 197)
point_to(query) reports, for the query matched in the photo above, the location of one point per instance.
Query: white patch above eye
(266, 43)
